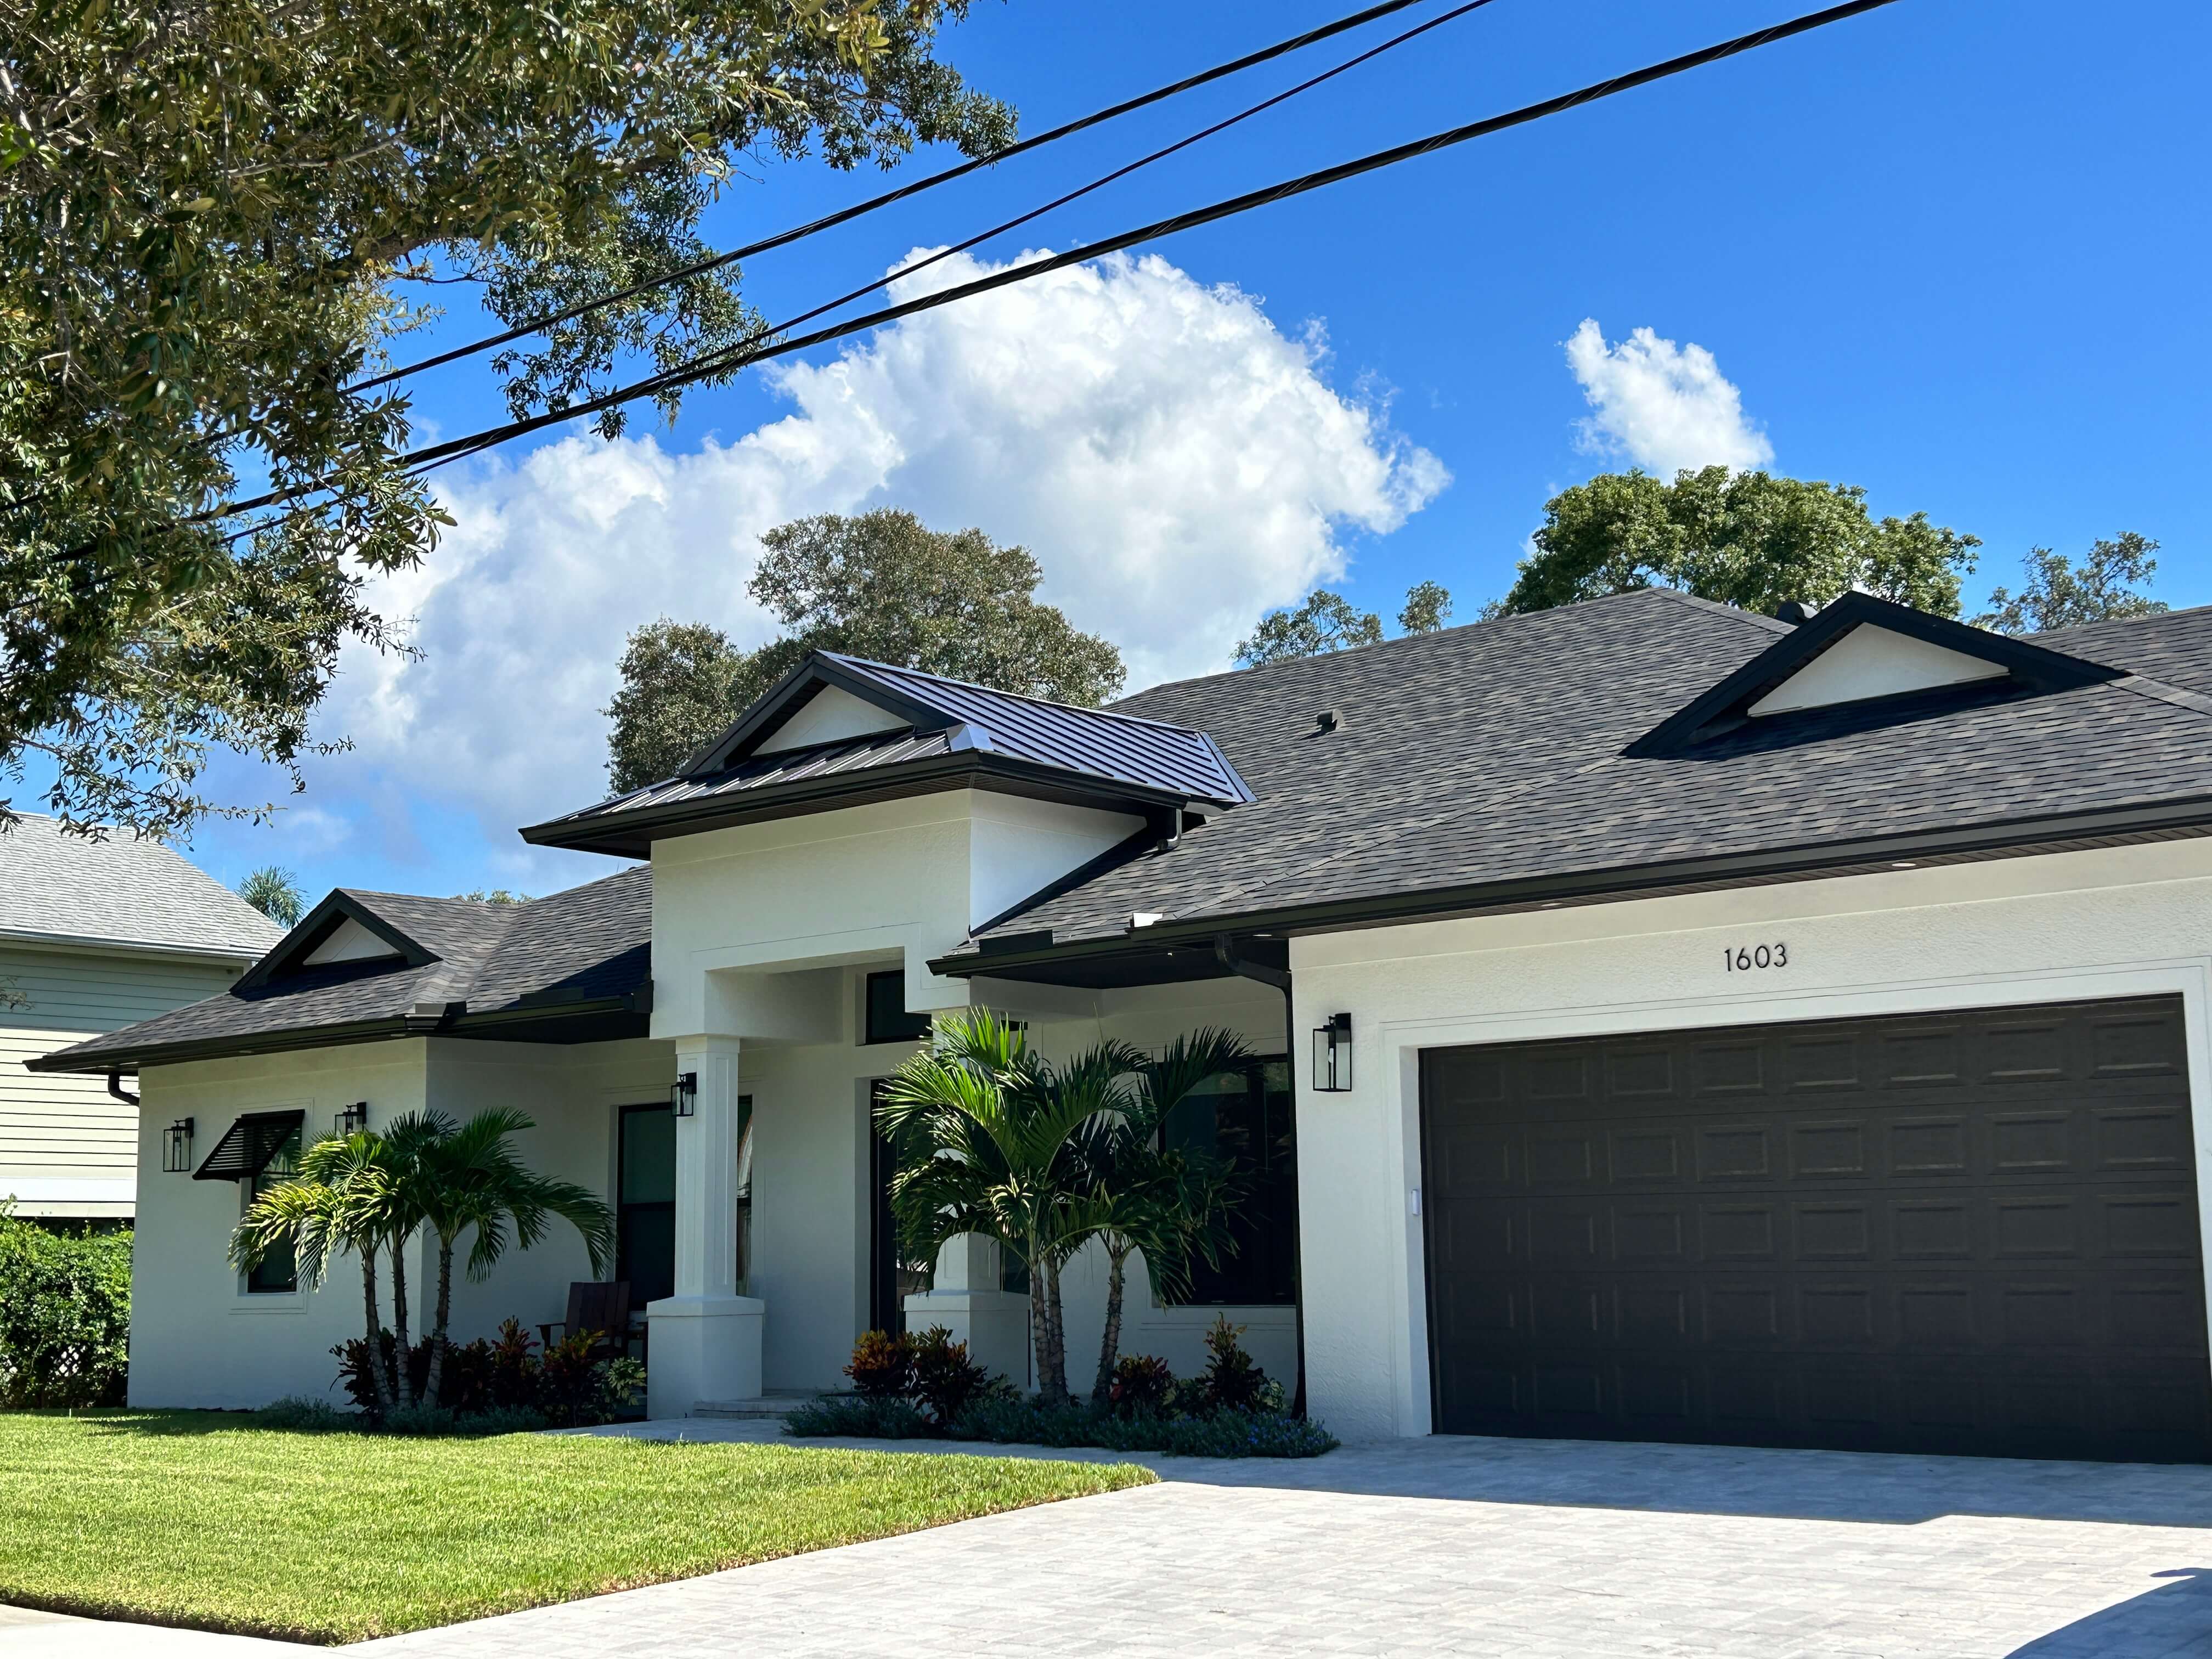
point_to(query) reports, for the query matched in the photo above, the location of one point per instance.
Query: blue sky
(1951, 251)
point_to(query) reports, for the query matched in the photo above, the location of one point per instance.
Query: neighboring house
(1683, 1025)
(95, 935)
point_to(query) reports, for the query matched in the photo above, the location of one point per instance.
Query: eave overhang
(1175, 945)
(631, 835)
(598, 1019)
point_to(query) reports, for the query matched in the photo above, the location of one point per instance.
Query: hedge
(65, 1315)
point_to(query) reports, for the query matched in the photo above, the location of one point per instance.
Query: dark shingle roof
(590, 943)
(1492, 754)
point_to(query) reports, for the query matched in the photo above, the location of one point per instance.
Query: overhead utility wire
(770, 330)
(846, 216)
(715, 364)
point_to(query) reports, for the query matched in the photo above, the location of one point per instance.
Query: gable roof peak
(1861, 648)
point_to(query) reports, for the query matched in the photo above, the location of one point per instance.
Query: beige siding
(69, 1128)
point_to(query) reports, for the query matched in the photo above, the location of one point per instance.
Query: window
(1244, 1117)
(645, 1203)
(887, 1019)
(277, 1271)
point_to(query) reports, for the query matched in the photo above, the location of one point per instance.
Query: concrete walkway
(1548, 1549)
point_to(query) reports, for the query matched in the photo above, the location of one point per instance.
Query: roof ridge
(1019, 696)
(1456, 628)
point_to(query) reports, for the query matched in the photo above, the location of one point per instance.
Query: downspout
(1224, 952)
(115, 1087)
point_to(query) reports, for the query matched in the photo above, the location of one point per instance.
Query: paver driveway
(1475, 1546)
(1461, 1547)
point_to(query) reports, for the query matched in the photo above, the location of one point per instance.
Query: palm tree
(343, 1197)
(275, 891)
(459, 1179)
(1169, 1204)
(982, 1133)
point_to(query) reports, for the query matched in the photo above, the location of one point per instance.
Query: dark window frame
(278, 1273)
(1263, 1274)
(905, 1028)
(625, 1207)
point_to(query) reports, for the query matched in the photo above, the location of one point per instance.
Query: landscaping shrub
(1231, 1381)
(65, 1315)
(858, 1417)
(883, 1365)
(498, 1387)
(1142, 1385)
(1153, 1412)
(304, 1416)
(352, 1356)
(946, 1381)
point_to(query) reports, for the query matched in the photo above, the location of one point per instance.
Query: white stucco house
(1683, 1024)
(96, 934)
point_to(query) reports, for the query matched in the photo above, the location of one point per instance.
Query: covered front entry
(1969, 1232)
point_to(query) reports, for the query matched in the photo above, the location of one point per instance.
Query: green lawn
(199, 1518)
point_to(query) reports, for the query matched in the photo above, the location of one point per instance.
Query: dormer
(342, 931)
(1866, 651)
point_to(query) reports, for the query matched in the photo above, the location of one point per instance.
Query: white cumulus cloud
(1663, 406)
(1175, 462)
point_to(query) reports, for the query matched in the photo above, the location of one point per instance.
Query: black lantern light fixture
(352, 1119)
(1332, 1054)
(176, 1147)
(684, 1095)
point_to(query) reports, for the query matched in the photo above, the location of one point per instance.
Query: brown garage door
(1972, 1232)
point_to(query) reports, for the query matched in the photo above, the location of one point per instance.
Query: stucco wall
(2119, 922)
(199, 1338)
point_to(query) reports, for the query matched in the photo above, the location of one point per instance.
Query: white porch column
(965, 1298)
(706, 1339)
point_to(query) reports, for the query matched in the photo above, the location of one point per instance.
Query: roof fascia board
(632, 835)
(89, 944)
(792, 692)
(310, 930)
(1721, 707)
(2008, 837)
(350, 1033)
(382, 1029)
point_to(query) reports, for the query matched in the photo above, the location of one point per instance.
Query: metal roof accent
(1082, 751)
(249, 1145)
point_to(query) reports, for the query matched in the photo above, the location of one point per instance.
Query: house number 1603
(1748, 959)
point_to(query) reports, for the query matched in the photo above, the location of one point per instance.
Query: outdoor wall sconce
(1332, 1055)
(176, 1147)
(684, 1095)
(354, 1118)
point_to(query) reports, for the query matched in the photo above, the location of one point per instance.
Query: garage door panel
(1973, 1233)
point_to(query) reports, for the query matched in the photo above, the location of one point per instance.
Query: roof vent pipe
(1795, 612)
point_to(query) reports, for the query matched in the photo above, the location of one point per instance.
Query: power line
(719, 362)
(846, 216)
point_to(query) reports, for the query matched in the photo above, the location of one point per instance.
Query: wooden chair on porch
(596, 1307)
